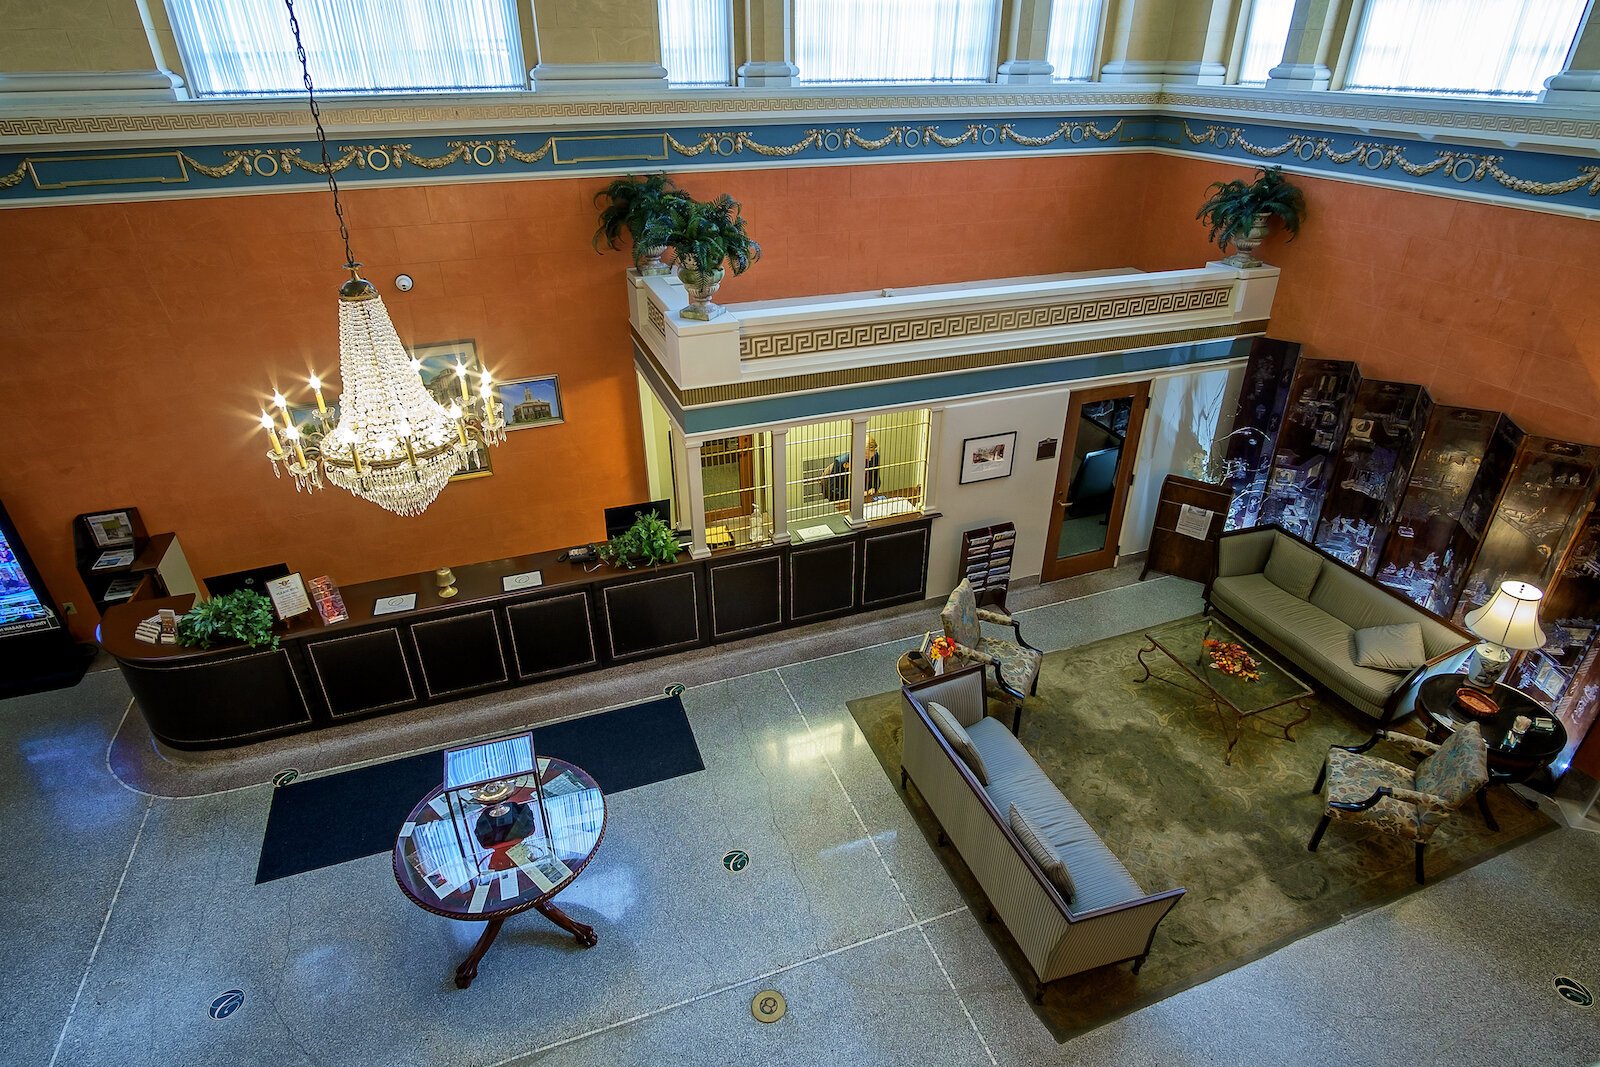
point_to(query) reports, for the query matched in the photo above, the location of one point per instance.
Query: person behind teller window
(836, 481)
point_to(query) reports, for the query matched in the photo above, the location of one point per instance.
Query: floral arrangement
(1231, 659)
(941, 648)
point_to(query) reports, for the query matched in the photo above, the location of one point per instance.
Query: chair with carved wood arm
(1411, 804)
(1015, 664)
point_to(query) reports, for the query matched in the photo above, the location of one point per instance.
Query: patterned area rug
(1144, 765)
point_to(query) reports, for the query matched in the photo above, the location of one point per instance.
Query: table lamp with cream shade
(1510, 620)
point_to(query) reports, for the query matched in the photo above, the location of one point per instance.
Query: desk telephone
(581, 554)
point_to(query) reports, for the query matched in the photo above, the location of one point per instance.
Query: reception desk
(486, 638)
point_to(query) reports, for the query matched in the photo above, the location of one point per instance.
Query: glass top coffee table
(1235, 699)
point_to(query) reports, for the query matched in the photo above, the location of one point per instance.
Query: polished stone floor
(127, 912)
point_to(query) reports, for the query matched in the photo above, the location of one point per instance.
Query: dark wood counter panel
(581, 617)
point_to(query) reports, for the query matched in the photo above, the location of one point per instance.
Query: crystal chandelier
(390, 441)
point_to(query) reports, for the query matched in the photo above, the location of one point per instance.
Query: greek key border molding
(858, 335)
(701, 396)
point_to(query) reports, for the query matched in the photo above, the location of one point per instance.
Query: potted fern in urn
(706, 235)
(634, 203)
(1240, 213)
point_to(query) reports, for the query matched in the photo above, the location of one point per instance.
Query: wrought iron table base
(1234, 730)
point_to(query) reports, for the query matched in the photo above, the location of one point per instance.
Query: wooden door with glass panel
(1098, 449)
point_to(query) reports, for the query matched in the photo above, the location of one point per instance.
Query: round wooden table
(1508, 763)
(523, 873)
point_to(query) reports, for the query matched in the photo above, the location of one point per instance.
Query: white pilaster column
(585, 46)
(1027, 39)
(697, 499)
(935, 448)
(858, 471)
(1308, 51)
(768, 44)
(780, 487)
(1579, 83)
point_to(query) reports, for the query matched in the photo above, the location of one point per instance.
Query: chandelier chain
(322, 135)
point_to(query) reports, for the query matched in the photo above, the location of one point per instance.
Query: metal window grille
(735, 475)
(902, 467)
(812, 450)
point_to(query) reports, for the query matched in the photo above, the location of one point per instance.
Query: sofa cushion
(1396, 647)
(1099, 878)
(959, 740)
(1043, 853)
(1293, 568)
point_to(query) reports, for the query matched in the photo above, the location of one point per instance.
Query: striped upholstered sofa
(1108, 918)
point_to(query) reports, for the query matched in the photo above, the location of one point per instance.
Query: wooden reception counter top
(579, 617)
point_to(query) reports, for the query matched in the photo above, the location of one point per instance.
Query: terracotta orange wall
(1487, 306)
(139, 339)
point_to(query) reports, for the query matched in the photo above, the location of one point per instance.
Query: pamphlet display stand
(986, 561)
(1189, 517)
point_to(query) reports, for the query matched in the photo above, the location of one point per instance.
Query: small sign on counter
(511, 583)
(289, 596)
(389, 605)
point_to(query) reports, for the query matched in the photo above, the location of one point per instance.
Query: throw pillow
(1293, 568)
(1396, 647)
(1043, 853)
(959, 739)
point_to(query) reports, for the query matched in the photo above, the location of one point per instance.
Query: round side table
(1508, 764)
(577, 812)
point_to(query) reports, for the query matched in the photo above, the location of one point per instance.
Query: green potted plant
(648, 540)
(1241, 213)
(243, 615)
(705, 235)
(631, 203)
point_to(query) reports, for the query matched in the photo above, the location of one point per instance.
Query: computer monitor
(619, 519)
(255, 579)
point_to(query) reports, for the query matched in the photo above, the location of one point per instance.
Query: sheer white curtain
(895, 40)
(244, 47)
(697, 41)
(1264, 37)
(1074, 43)
(1479, 47)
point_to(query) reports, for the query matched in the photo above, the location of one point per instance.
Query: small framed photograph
(110, 529)
(984, 459)
(529, 402)
(439, 378)
(288, 595)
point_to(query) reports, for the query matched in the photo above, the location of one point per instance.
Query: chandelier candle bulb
(272, 432)
(316, 387)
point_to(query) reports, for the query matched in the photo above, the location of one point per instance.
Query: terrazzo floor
(130, 909)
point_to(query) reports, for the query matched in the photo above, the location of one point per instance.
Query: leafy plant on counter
(648, 540)
(632, 203)
(1232, 207)
(243, 615)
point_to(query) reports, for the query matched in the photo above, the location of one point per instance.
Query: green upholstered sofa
(1109, 919)
(1312, 622)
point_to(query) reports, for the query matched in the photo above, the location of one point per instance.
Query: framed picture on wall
(529, 402)
(438, 370)
(984, 459)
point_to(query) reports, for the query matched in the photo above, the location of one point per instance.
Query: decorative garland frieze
(1513, 175)
(1464, 167)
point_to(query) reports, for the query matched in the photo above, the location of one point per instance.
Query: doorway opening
(1099, 446)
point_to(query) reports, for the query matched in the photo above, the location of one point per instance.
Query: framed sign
(529, 402)
(984, 459)
(438, 370)
(289, 596)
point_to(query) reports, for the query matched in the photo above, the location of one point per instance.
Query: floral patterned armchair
(1016, 664)
(1410, 804)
